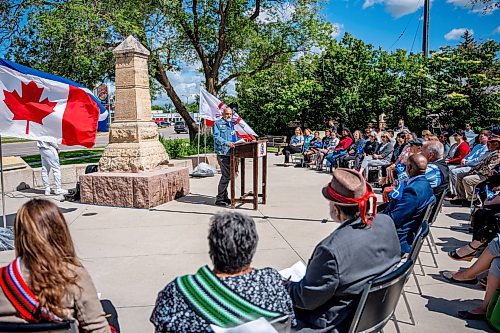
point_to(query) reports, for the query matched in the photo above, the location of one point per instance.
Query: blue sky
(380, 22)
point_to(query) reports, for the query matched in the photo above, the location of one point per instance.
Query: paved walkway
(132, 254)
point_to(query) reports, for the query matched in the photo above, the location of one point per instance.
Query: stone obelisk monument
(133, 170)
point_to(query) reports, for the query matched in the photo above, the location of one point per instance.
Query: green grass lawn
(8, 139)
(69, 157)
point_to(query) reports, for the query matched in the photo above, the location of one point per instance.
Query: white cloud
(478, 7)
(337, 29)
(456, 33)
(277, 13)
(396, 8)
(497, 31)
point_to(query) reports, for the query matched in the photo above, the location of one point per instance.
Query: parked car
(180, 127)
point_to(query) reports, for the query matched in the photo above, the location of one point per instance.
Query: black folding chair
(433, 217)
(430, 211)
(63, 327)
(422, 233)
(379, 300)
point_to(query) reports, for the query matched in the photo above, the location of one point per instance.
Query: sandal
(454, 255)
(449, 277)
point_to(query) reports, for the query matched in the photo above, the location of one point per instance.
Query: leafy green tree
(283, 94)
(465, 81)
(225, 39)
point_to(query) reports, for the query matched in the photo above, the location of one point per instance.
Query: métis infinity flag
(41, 106)
(211, 110)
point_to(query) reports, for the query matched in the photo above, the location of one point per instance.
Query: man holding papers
(364, 246)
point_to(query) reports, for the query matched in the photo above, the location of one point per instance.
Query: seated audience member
(381, 156)
(308, 137)
(325, 142)
(364, 246)
(389, 168)
(426, 134)
(466, 182)
(401, 126)
(332, 144)
(331, 125)
(314, 145)
(370, 148)
(445, 140)
(355, 152)
(437, 172)
(471, 160)
(408, 211)
(341, 149)
(233, 284)
(414, 147)
(485, 226)
(470, 135)
(447, 128)
(295, 146)
(489, 260)
(47, 282)
(461, 150)
(369, 130)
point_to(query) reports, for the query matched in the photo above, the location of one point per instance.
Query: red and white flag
(40, 106)
(211, 110)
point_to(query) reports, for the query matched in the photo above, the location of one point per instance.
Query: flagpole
(199, 133)
(4, 218)
(205, 138)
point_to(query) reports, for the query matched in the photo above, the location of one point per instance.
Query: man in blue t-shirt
(224, 139)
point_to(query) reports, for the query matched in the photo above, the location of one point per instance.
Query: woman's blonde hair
(300, 130)
(43, 242)
(308, 130)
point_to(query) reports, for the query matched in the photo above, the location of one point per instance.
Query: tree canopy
(354, 83)
(226, 39)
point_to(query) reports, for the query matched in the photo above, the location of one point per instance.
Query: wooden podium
(253, 150)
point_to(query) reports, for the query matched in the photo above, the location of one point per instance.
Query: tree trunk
(162, 77)
(211, 85)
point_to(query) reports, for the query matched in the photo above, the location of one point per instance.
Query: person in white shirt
(49, 152)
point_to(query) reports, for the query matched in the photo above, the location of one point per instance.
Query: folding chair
(379, 300)
(422, 233)
(63, 327)
(433, 217)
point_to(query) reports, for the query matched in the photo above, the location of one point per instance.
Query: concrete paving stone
(303, 233)
(167, 239)
(133, 253)
(135, 319)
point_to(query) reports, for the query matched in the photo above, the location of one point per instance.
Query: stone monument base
(134, 190)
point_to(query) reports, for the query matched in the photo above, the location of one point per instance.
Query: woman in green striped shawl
(231, 293)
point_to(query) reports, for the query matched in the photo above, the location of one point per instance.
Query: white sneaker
(47, 191)
(61, 191)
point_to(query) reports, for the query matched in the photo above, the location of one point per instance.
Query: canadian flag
(211, 110)
(40, 106)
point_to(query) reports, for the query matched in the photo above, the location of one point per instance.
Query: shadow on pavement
(451, 307)
(459, 216)
(450, 243)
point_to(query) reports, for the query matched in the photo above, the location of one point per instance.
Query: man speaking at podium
(224, 139)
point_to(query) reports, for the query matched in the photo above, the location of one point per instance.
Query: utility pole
(425, 39)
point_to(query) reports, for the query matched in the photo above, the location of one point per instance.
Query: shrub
(178, 148)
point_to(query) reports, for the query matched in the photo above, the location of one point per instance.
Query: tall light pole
(425, 39)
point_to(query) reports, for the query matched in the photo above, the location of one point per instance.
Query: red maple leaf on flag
(28, 106)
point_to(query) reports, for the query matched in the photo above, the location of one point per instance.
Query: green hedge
(178, 148)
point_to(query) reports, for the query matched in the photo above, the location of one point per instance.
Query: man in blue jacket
(224, 139)
(408, 212)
